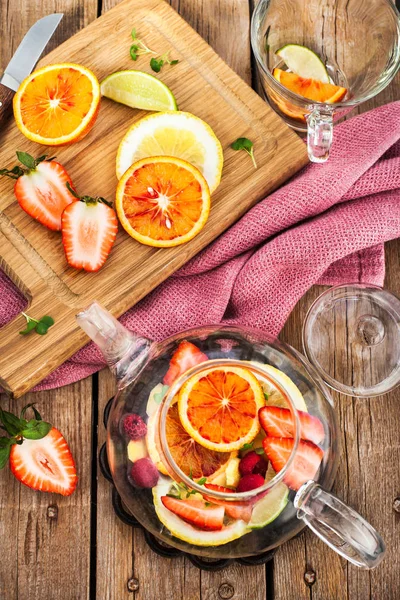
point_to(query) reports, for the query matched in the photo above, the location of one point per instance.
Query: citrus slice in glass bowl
(173, 133)
(304, 62)
(219, 407)
(57, 104)
(312, 89)
(192, 458)
(162, 201)
(273, 396)
(187, 532)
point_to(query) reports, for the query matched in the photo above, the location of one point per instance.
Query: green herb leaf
(30, 326)
(4, 456)
(259, 451)
(156, 64)
(49, 321)
(207, 504)
(246, 145)
(202, 481)
(133, 52)
(266, 396)
(12, 424)
(173, 62)
(36, 430)
(27, 160)
(247, 446)
(41, 328)
(134, 34)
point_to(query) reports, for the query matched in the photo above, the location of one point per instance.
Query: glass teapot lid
(219, 440)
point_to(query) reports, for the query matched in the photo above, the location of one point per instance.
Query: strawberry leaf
(12, 424)
(36, 430)
(36, 412)
(4, 455)
(27, 160)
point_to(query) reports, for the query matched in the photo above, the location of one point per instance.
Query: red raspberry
(253, 463)
(144, 473)
(134, 426)
(250, 482)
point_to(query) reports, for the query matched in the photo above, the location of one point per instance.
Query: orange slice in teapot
(219, 407)
(312, 89)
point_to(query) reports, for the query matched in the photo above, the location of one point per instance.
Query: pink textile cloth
(327, 225)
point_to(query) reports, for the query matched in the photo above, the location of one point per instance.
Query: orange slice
(311, 89)
(57, 104)
(219, 407)
(162, 201)
(192, 458)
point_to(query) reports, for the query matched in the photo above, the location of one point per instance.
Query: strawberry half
(196, 513)
(306, 463)
(45, 464)
(235, 510)
(41, 189)
(187, 355)
(89, 229)
(278, 422)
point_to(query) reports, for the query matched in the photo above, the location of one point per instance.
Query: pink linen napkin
(327, 225)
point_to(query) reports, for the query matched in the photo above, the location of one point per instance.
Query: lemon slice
(270, 507)
(304, 62)
(138, 90)
(178, 134)
(273, 395)
(184, 531)
(232, 473)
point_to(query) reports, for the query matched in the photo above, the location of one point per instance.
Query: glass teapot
(224, 443)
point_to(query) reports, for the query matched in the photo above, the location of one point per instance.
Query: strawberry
(196, 512)
(187, 355)
(235, 510)
(89, 228)
(306, 463)
(278, 422)
(41, 188)
(39, 455)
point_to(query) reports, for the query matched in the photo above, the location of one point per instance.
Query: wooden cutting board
(33, 256)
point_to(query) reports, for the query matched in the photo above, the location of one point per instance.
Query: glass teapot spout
(124, 352)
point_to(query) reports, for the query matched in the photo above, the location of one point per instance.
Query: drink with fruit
(221, 442)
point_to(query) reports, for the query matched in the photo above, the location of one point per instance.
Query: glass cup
(358, 41)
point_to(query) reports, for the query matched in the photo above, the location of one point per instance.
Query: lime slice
(186, 532)
(270, 507)
(304, 62)
(273, 395)
(138, 90)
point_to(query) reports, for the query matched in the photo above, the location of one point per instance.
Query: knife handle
(6, 98)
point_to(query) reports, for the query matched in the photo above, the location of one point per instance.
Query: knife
(24, 60)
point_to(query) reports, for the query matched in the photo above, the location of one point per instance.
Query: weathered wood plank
(46, 537)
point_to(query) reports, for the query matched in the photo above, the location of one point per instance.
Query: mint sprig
(246, 145)
(19, 428)
(41, 326)
(157, 63)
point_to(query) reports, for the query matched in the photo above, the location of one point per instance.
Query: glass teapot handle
(339, 526)
(319, 135)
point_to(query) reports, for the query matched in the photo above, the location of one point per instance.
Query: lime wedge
(270, 507)
(138, 90)
(304, 62)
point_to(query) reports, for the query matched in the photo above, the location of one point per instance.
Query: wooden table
(55, 548)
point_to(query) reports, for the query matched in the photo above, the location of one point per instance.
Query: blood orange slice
(310, 88)
(192, 458)
(57, 104)
(162, 201)
(218, 407)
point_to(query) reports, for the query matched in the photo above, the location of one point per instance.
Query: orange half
(219, 407)
(312, 89)
(57, 104)
(162, 201)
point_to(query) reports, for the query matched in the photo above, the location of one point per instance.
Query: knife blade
(25, 58)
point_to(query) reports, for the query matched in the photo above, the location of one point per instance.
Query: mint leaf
(246, 145)
(266, 396)
(30, 326)
(247, 446)
(202, 481)
(259, 450)
(156, 64)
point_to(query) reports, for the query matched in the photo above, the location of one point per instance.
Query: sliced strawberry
(187, 355)
(41, 188)
(306, 463)
(89, 228)
(278, 422)
(45, 465)
(235, 510)
(196, 512)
